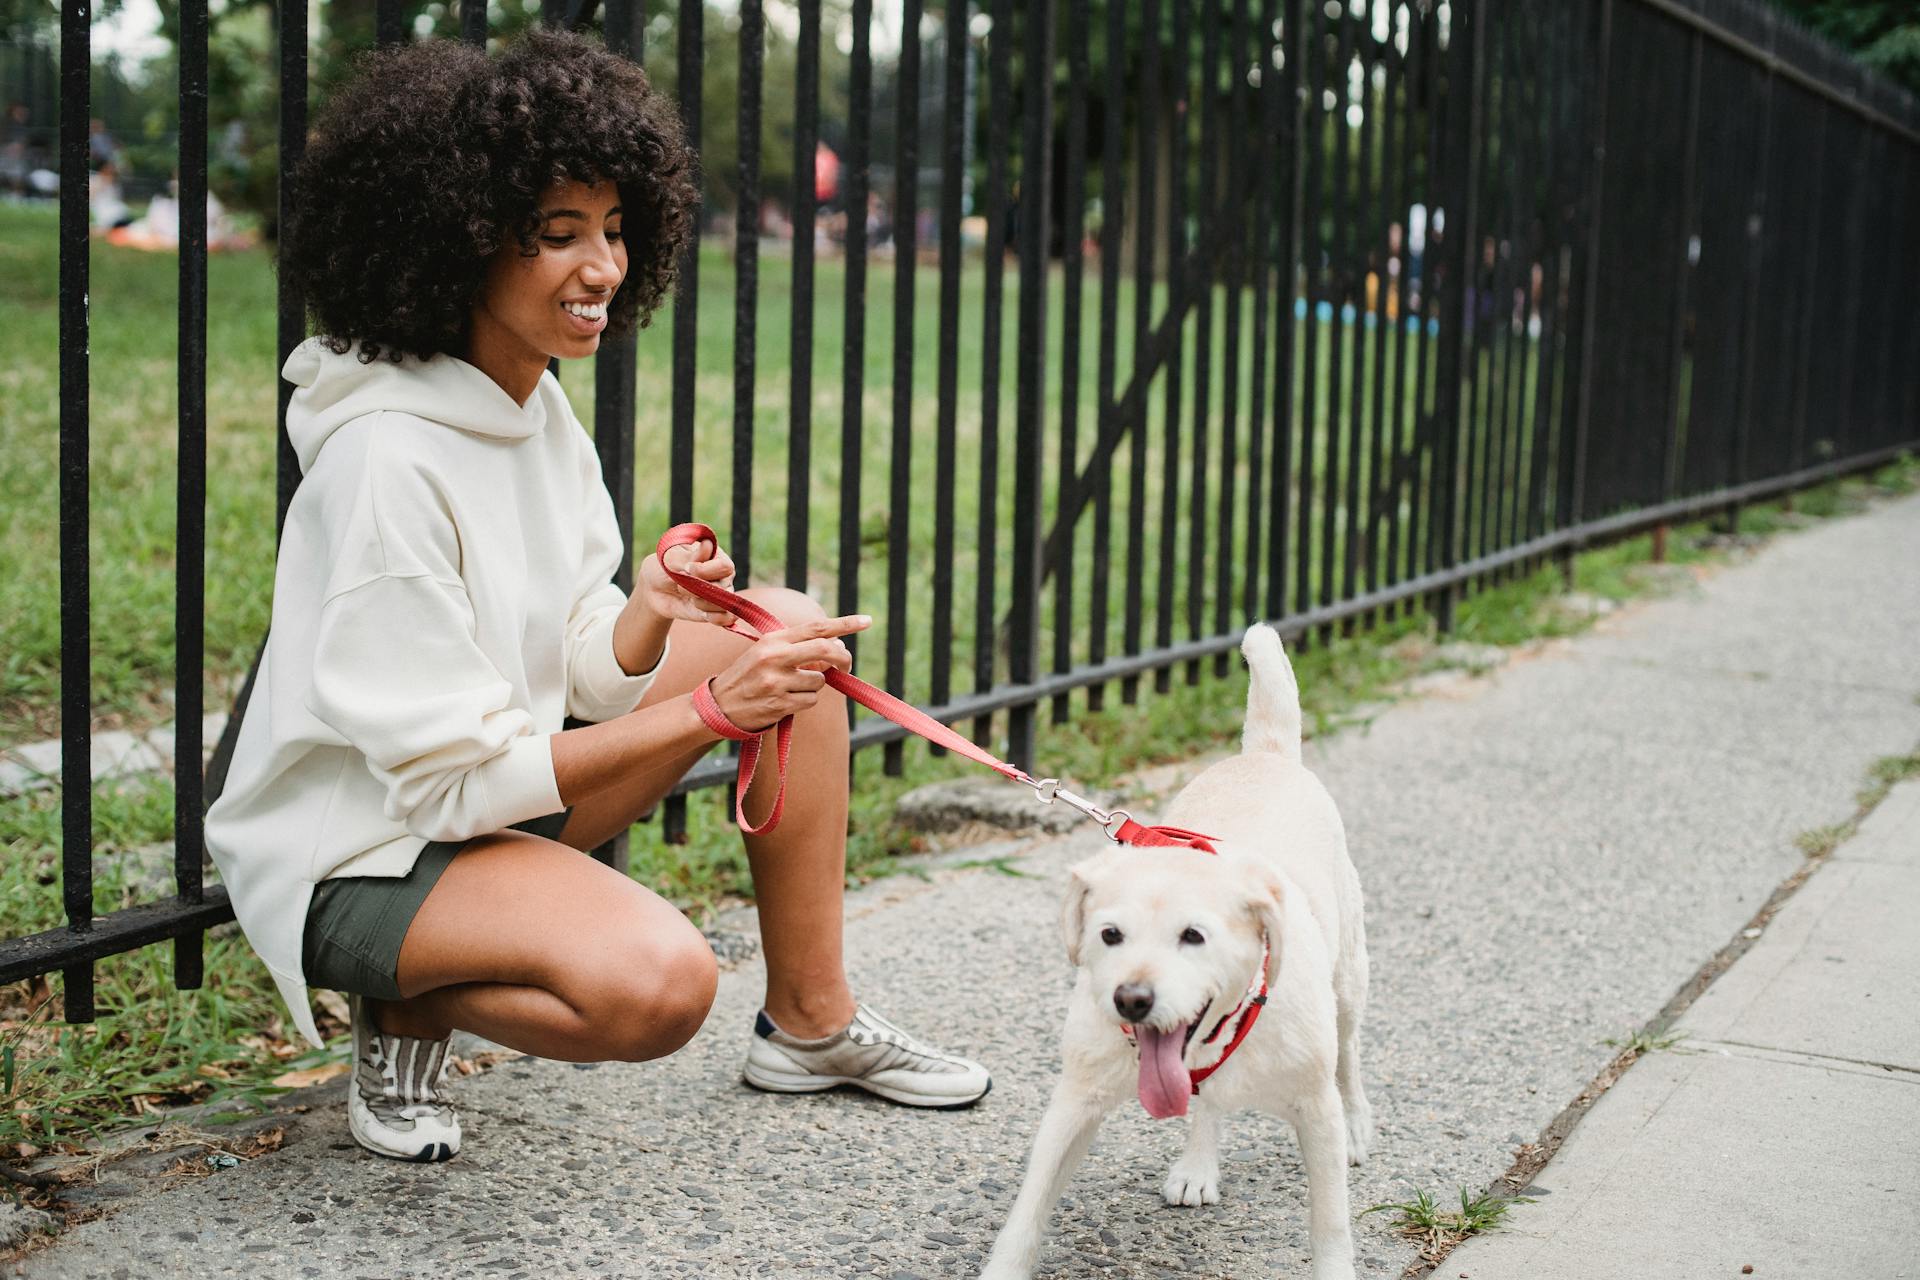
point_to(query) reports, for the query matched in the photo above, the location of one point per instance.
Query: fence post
(1073, 229)
(1456, 348)
(1144, 217)
(688, 55)
(1030, 408)
(906, 205)
(76, 665)
(1284, 129)
(292, 17)
(806, 132)
(190, 489)
(1683, 272)
(946, 431)
(1757, 212)
(1575, 475)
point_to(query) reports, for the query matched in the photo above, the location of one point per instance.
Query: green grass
(1437, 1230)
(1821, 841)
(1003, 865)
(1882, 775)
(1646, 1040)
(151, 1045)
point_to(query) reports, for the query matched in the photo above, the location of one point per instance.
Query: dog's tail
(1273, 698)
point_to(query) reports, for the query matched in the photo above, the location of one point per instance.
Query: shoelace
(879, 1031)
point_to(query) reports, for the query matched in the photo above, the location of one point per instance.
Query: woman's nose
(602, 268)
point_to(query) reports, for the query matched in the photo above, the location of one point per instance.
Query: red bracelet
(708, 708)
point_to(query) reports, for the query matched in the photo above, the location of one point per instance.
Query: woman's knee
(790, 606)
(654, 997)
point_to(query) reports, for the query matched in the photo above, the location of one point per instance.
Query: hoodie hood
(332, 389)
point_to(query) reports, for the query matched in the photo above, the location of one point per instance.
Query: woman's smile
(589, 317)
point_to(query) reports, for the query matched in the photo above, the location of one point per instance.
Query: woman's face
(555, 302)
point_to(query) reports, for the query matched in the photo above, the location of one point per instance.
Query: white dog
(1169, 944)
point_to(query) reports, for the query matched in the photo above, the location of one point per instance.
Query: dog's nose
(1134, 1000)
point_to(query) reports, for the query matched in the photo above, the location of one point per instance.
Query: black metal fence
(1320, 310)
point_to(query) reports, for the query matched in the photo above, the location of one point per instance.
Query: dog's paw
(1192, 1186)
(1359, 1134)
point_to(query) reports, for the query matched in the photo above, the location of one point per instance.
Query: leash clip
(1049, 790)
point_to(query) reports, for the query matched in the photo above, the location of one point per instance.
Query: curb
(115, 754)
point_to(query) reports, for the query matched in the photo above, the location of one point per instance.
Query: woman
(405, 812)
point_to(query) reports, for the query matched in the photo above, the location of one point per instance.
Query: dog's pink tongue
(1165, 1085)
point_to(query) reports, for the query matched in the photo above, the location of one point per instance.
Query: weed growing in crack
(1646, 1040)
(1821, 841)
(1437, 1230)
(1886, 772)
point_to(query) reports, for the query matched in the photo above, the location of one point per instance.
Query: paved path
(1549, 855)
(1783, 1133)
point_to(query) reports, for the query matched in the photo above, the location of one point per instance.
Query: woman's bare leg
(532, 945)
(529, 944)
(799, 868)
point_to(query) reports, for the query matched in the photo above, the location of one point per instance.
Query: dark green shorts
(356, 924)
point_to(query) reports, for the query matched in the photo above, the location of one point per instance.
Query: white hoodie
(443, 599)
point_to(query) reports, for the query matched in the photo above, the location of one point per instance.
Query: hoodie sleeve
(598, 687)
(397, 674)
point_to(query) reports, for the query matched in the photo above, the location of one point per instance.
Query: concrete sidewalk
(1783, 1132)
(1550, 853)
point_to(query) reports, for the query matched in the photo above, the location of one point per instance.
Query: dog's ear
(1073, 911)
(1268, 903)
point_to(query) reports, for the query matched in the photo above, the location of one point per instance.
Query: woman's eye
(1111, 936)
(614, 236)
(558, 242)
(1193, 938)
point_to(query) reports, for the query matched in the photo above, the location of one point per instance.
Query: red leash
(1118, 824)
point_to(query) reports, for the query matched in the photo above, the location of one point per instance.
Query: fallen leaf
(260, 1143)
(311, 1075)
(333, 1004)
(213, 1072)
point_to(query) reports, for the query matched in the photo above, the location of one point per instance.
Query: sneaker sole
(821, 1084)
(432, 1153)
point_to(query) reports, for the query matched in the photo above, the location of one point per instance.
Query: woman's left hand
(660, 594)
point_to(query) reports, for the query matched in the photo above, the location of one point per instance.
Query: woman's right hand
(783, 673)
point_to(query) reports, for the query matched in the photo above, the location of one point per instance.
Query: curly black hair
(432, 156)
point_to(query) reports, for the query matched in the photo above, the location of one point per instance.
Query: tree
(1884, 34)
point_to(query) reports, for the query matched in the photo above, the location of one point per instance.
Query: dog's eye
(1111, 936)
(1192, 938)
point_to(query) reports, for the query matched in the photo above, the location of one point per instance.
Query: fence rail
(1391, 297)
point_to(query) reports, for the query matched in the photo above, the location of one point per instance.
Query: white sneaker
(869, 1053)
(394, 1104)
